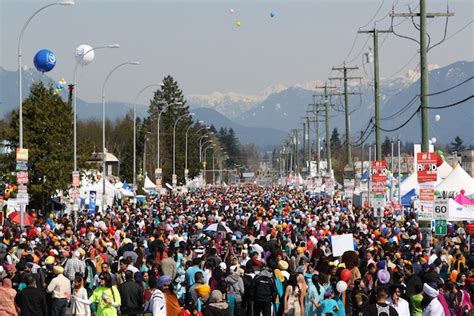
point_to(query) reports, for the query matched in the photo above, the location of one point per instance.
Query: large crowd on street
(243, 250)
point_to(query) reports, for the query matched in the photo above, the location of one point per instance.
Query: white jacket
(434, 308)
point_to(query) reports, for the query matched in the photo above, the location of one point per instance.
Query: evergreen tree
(171, 96)
(47, 134)
(386, 147)
(335, 141)
(457, 144)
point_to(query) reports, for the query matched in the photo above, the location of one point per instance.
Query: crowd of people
(233, 251)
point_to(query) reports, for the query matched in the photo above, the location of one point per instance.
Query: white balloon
(433, 140)
(341, 286)
(437, 117)
(84, 54)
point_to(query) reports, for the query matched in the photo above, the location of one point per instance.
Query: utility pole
(315, 119)
(424, 48)
(378, 139)
(346, 107)
(328, 131)
(309, 142)
(304, 142)
(295, 132)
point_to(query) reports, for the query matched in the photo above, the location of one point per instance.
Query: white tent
(92, 184)
(456, 181)
(149, 185)
(458, 212)
(444, 170)
(411, 182)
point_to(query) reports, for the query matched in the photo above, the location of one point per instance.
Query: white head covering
(428, 290)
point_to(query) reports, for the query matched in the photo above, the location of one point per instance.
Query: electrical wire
(403, 109)
(375, 15)
(401, 126)
(452, 104)
(451, 88)
(459, 31)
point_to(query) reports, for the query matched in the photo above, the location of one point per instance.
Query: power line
(458, 31)
(401, 126)
(453, 87)
(403, 109)
(452, 104)
(375, 15)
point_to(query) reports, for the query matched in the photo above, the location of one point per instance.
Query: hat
(283, 265)
(430, 289)
(202, 290)
(49, 260)
(163, 280)
(383, 276)
(215, 297)
(58, 270)
(328, 292)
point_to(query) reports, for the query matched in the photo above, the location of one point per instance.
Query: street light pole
(174, 146)
(103, 126)
(135, 133)
(74, 100)
(20, 88)
(186, 150)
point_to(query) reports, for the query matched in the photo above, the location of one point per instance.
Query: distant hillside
(264, 138)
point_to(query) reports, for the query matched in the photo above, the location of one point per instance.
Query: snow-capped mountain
(231, 104)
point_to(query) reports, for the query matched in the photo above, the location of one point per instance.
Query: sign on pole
(441, 227)
(76, 179)
(441, 209)
(427, 167)
(379, 177)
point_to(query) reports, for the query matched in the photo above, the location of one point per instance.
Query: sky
(200, 45)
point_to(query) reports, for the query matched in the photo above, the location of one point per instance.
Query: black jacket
(131, 294)
(32, 301)
(264, 287)
(216, 309)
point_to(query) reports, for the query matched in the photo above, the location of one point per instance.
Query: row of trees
(48, 134)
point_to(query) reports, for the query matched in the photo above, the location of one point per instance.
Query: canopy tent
(458, 212)
(410, 183)
(456, 181)
(444, 170)
(463, 200)
(94, 183)
(407, 198)
(365, 176)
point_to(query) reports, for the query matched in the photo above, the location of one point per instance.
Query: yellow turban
(203, 290)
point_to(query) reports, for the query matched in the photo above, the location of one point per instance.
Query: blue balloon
(44, 60)
(272, 14)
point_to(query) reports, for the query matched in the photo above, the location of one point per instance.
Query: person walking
(60, 288)
(107, 296)
(131, 295)
(265, 293)
(79, 308)
(31, 301)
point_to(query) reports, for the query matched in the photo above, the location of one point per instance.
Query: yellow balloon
(238, 23)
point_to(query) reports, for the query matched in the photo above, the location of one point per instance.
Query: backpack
(383, 310)
(264, 288)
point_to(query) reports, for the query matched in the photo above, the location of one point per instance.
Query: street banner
(427, 166)
(92, 202)
(76, 179)
(379, 177)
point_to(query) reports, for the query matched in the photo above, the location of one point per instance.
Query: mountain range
(266, 118)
